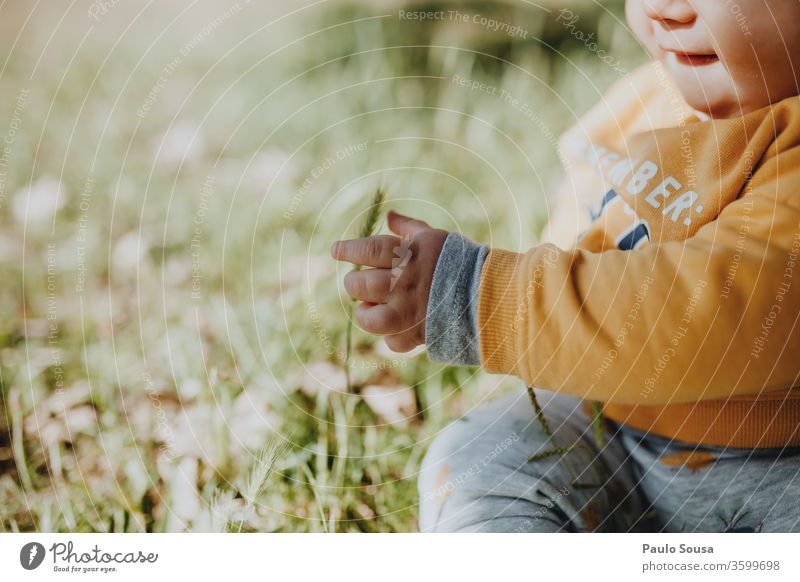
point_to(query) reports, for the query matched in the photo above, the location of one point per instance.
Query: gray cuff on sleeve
(451, 326)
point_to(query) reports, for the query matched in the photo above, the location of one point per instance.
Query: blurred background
(171, 177)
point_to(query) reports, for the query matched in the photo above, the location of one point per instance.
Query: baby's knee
(477, 472)
(499, 436)
(467, 484)
(468, 460)
(436, 481)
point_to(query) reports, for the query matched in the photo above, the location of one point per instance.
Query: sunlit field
(171, 178)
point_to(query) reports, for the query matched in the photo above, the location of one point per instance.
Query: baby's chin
(707, 88)
(718, 107)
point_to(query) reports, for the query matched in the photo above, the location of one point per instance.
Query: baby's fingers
(371, 285)
(378, 319)
(373, 251)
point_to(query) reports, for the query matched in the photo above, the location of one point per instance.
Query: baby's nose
(675, 11)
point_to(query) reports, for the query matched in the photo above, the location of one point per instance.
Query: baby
(663, 292)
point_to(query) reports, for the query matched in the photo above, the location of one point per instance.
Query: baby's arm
(704, 318)
(698, 319)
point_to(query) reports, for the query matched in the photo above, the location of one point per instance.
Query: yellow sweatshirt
(678, 305)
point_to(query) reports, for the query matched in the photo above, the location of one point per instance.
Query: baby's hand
(394, 293)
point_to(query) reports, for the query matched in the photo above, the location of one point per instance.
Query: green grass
(171, 351)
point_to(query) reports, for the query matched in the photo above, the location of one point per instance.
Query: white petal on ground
(194, 435)
(252, 419)
(182, 142)
(177, 271)
(190, 388)
(269, 165)
(323, 376)
(129, 251)
(39, 204)
(394, 404)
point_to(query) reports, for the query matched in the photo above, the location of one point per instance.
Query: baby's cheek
(758, 47)
(641, 26)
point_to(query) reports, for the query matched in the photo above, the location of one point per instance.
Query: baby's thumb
(405, 225)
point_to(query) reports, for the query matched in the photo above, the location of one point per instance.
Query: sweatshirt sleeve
(704, 318)
(451, 330)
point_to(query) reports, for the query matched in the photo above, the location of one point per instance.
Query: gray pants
(476, 477)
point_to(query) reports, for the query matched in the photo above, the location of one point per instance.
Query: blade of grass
(367, 229)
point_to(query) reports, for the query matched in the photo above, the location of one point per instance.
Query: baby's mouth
(695, 59)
